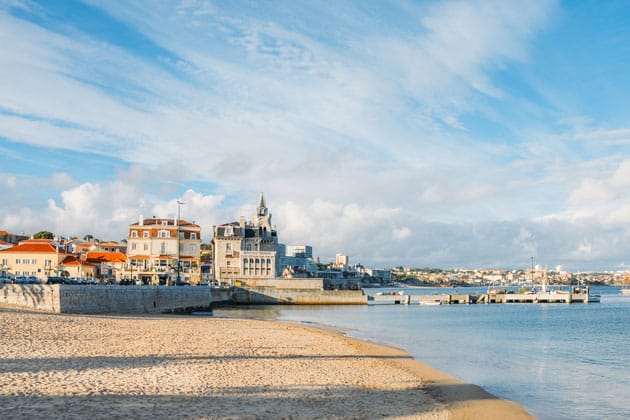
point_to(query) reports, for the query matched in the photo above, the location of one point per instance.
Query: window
(145, 234)
(145, 247)
(163, 248)
(4, 261)
(228, 247)
(229, 231)
(181, 235)
(134, 233)
(33, 261)
(193, 236)
(164, 222)
(133, 246)
(164, 234)
(193, 249)
(17, 261)
(181, 247)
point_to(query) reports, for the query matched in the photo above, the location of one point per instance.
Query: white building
(246, 250)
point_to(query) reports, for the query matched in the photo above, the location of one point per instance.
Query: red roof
(111, 257)
(71, 260)
(33, 246)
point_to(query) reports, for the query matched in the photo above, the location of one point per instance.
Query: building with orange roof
(73, 266)
(38, 258)
(159, 250)
(109, 266)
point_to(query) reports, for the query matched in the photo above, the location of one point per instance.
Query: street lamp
(179, 204)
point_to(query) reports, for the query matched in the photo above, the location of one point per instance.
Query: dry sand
(70, 366)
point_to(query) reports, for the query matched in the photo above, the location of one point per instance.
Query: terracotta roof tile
(33, 247)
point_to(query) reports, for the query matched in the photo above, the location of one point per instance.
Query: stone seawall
(109, 299)
(38, 297)
(270, 295)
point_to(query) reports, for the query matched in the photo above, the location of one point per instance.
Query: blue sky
(418, 133)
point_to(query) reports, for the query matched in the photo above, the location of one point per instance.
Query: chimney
(140, 220)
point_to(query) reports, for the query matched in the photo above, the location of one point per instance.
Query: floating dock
(576, 295)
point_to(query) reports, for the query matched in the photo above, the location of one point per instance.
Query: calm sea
(559, 361)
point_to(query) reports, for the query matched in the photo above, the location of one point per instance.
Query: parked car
(55, 280)
(5, 280)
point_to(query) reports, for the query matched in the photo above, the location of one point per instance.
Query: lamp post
(179, 204)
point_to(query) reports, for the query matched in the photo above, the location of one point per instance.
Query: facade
(32, 258)
(246, 250)
(159, 251)
(341, 261)
(298, 259)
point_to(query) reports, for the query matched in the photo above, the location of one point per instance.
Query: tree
(44, 234)
(88, 237)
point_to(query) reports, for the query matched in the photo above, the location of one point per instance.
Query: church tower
(262, 217)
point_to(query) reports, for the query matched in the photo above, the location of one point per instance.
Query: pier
(575, 295)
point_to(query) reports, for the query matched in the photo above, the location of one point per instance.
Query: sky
(445, 134)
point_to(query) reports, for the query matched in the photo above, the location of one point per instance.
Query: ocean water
(559, 361)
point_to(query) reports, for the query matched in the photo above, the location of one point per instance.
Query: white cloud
(357, 135)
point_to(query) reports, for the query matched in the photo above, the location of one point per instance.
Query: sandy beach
(71, 366)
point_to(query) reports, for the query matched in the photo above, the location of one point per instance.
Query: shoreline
(463, 400)
(75, 366)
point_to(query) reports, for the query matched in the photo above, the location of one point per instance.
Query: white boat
(393, 298)
(625, 292)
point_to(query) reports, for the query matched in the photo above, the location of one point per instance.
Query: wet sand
(71, 366)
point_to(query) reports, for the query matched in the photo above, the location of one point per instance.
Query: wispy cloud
(410, 131)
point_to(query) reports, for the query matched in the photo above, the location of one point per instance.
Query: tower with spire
(262, 217)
